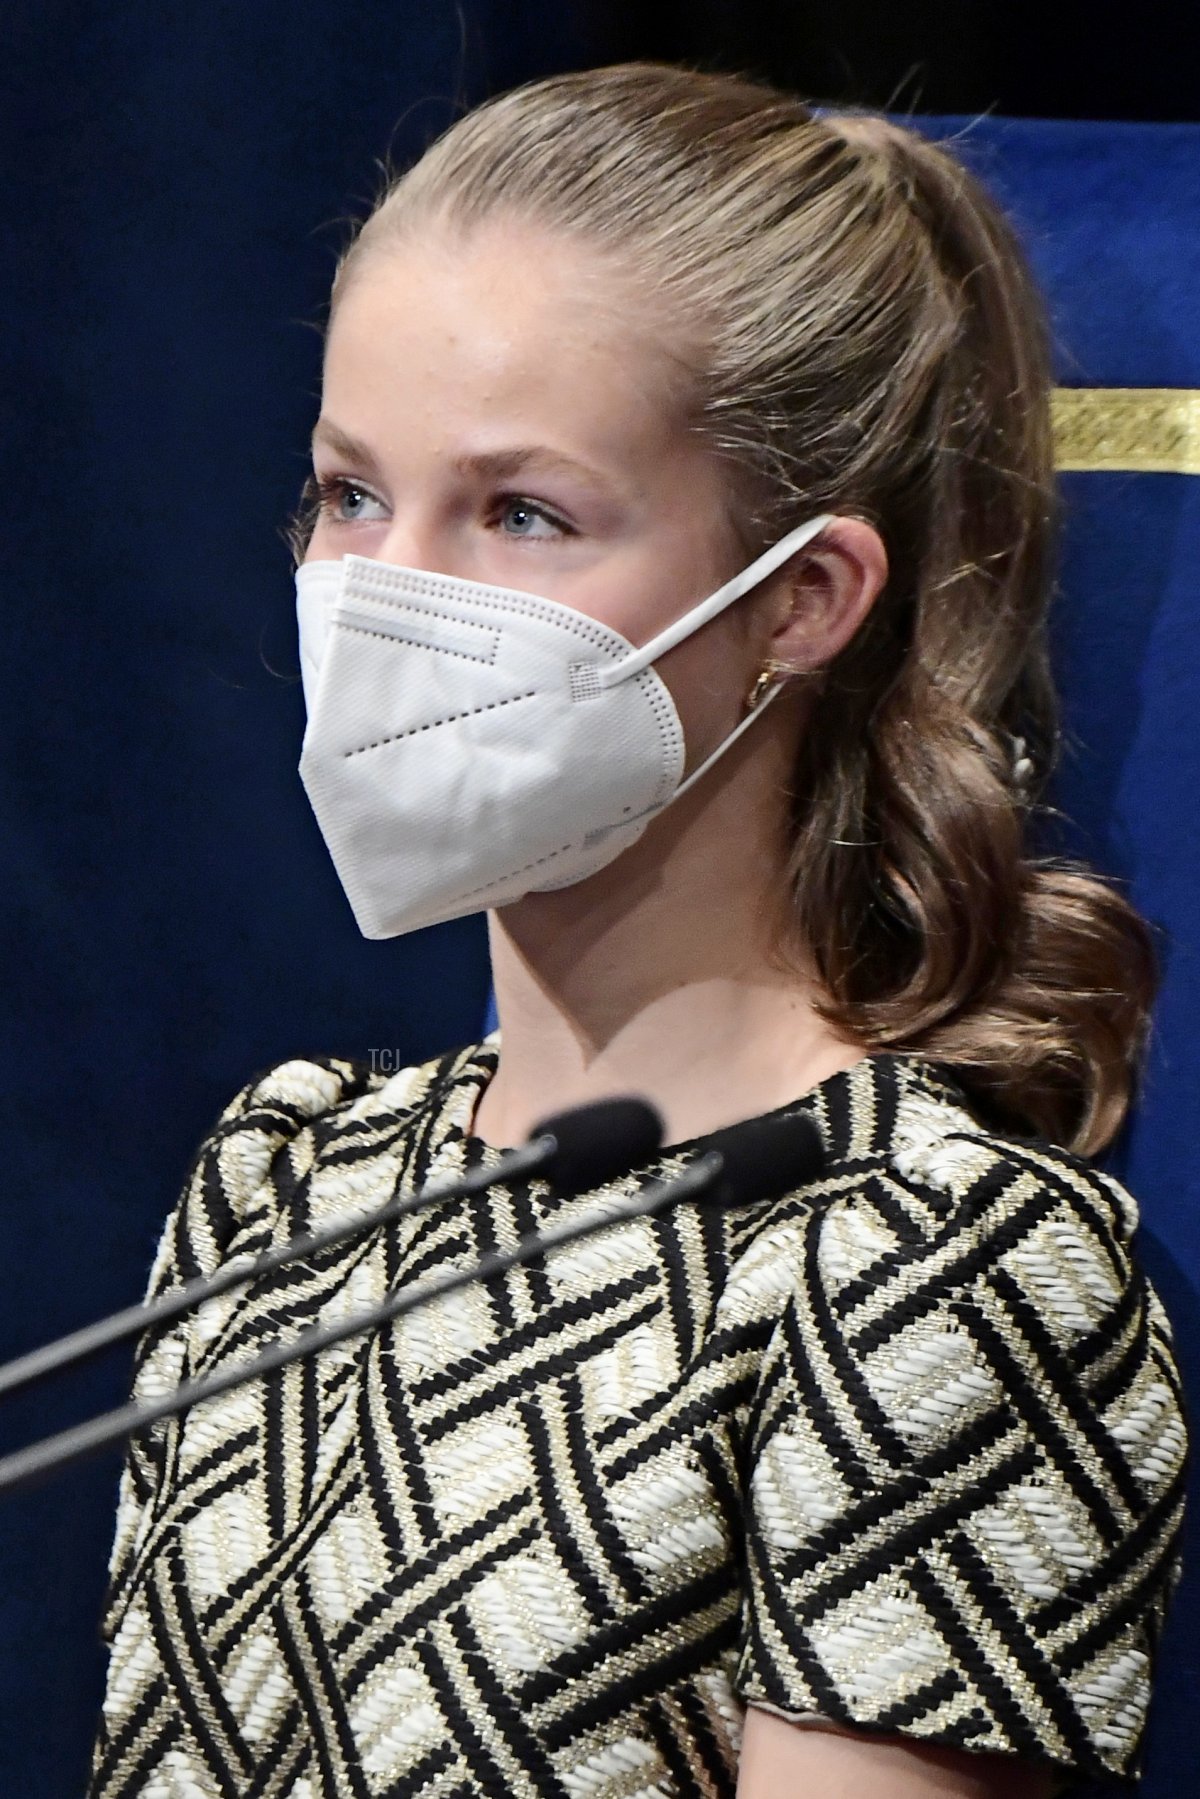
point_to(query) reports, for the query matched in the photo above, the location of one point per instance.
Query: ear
(823, 595)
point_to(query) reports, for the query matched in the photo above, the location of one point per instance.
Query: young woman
(870, 1490)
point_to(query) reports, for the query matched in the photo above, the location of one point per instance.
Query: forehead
(501, 323)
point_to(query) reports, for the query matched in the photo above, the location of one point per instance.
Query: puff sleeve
(967, 1453)
(228, 1205)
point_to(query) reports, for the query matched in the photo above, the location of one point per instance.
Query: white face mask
(468, 744)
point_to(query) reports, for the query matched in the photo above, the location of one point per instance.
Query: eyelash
(323, 492)
(558, 524)
(326, 490)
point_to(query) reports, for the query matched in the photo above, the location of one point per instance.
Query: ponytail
(934, 926)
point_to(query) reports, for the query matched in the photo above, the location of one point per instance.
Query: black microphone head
(597, 1142)
(766, 1158)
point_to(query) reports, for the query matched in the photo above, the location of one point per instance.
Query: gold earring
(768, 677)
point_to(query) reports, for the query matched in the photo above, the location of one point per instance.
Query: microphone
(760, 1160)
(590, 1145)
(766, 1158)
(575, 1150)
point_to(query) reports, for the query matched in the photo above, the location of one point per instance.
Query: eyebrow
(350, 449)
(505, 465)
(496, 465)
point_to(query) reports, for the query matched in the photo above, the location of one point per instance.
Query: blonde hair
(870, 342)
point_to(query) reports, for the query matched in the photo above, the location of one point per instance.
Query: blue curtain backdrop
(173, 180)
(1111, 217)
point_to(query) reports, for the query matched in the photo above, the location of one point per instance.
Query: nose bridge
(414, 540)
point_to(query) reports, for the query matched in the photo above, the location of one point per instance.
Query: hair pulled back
(867, 341)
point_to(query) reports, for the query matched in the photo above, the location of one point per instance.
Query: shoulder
(937, 1204)
(920, 1204)
(270, 1137)
(957, 1267)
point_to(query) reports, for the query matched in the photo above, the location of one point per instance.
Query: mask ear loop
(755, 713)
(716, 603)
(637, 660)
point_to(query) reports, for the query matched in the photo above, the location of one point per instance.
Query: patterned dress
(902, 1450)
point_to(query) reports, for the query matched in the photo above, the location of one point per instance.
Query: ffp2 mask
(469, 744)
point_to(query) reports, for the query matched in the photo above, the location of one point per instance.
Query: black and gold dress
(902, 1451)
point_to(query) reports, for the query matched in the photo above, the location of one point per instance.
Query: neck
(662, 975)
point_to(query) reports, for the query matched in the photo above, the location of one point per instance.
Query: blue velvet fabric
(174, 182)
(1111, 216)
(170, 918)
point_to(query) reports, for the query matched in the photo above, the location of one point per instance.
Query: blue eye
(347, 502)
(522, 518)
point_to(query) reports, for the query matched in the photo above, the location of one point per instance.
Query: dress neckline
(854, 1108)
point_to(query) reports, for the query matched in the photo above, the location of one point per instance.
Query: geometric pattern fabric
(902, 1450)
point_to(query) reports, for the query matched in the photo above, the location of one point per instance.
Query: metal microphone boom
(758, 1161)
(580, 1148)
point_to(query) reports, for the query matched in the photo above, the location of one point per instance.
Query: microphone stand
(532, 1158)
(69, 1446)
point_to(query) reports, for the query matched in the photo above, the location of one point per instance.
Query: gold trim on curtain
(1147, 430)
